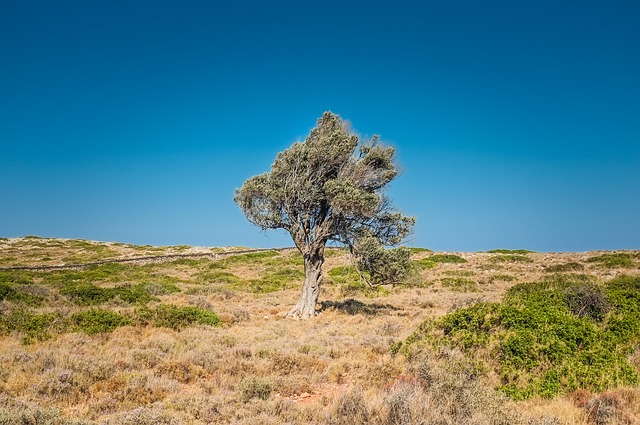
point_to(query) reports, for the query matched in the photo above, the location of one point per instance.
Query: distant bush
(85, 293)
(510, 251)
(16, 277)
(9, 293)
(612, 261)
(175, 317)
(99, 321)
(549, 337)
(446, 258)
(34, 327)
(567, 267)
(460, 284)
(510, 258)
(254, 387)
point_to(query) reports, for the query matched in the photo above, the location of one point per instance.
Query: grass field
(497, 337)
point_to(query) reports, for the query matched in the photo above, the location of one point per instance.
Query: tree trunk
(306, 306)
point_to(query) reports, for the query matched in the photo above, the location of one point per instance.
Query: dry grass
(258, 367)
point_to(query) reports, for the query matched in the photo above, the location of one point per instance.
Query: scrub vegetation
(460, 338)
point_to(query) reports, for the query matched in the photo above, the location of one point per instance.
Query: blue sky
(517, 124)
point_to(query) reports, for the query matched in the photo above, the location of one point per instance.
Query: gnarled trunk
(306, 306)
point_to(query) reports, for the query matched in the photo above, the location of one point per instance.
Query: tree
(327, 188)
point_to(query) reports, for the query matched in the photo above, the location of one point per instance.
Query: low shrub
(460, 284)
(510, 251)
(510, 258)
(34, 327)
(613, 261)
(549, 337)
(9, 293)
(567, 267)
(446, 258)
(99, 321)
(175, 317)
(254, 387)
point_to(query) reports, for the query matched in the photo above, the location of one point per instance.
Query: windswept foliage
(327, 188)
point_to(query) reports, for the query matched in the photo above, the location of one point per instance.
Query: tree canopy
(328, 187)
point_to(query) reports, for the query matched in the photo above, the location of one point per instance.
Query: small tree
(327, 188)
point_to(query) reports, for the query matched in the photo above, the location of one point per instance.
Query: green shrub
(510, 251)
(217, 276)
(250, 258)
(425, 263)
(612, 261)
(174, 317)
(383, 266)
(510, 258)
(348, 280)
(460, 284)
(254, 387)
(561, 268)
(35, 327)
(85, 293)
(415, 250)
(99, 321)
(9, 293)
(16, 277)
(446, 258)
(502, 278)
(545, 338)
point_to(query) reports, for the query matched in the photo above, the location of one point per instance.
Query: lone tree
(327, 188)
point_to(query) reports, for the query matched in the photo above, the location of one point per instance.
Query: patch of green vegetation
(191, 262)
(460, 273)
(7, 260)
(85, 293)
(446, 258)
(567, 267)
(217, 276)
(459, 284)
(95, 321)
(502, 278)
(254, 387)
(510, 251)
(550, 337)
(349, 282)
(175, 317)
(614, 260)
(415, 250)
(34, 327)
(271, 282)
(17, 277)
(425, 263)
(250, 258)
(9, 293)
(510, 258)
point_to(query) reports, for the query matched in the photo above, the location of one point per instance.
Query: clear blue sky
(517, 123)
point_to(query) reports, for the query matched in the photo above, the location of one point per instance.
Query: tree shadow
(353, 307)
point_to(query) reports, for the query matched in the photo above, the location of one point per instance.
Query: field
(199, 337)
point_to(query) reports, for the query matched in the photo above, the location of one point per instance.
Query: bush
(35, 327)
(587, 300)
(174, 317)
(460, 284)
(84, 293)
(510, 258)
(383, 265)
(561, 268)
(446, 258)
(612, 261)
(99, 321)
(510, 251)
(548, 337)
(254, 387)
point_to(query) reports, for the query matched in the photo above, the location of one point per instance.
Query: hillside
(198, 336)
